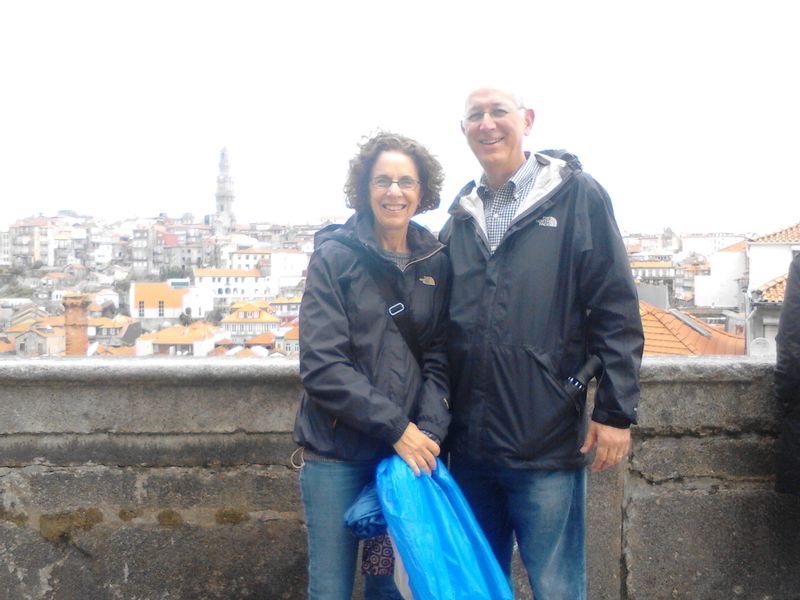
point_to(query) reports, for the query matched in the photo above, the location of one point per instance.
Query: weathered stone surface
(257, 488)
(28, 564)
(259, 560)
(712, 542)
(161, 408)
(49, 490)
(735, 406)
(156, 450)
(743, 457)
(167, 478)
(604, 533)
(147, 396)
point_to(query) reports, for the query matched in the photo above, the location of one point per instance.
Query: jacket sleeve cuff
(432, 436)
(618, 421)
(398, 431)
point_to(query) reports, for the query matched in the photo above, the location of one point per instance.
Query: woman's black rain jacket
(362, 385)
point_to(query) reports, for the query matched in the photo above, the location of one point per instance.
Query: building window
(160, 308)
(141, 308)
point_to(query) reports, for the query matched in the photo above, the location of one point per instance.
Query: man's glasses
(382, 182)
(497, 114)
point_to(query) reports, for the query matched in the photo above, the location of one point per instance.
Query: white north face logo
(547, 222)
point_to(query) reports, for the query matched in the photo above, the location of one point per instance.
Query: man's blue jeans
(328, 490)
(546, 511)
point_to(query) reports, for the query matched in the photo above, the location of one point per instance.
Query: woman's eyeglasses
(382, 182)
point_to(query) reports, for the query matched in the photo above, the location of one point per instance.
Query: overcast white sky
(686, 111)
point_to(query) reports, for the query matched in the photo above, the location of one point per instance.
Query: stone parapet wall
(170, 478)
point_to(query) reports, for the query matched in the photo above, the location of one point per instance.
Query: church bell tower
(224, 218)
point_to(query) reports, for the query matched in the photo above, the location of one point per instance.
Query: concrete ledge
(154, 478)
(148, 369)
(146, 449)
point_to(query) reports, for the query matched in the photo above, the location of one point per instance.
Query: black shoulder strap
(397, 306)
(398, 310)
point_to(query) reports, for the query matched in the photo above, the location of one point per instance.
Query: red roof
(788, 235)
(265, 339)
(674, 333)
(774, 290)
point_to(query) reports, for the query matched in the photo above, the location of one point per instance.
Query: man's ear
(529, 117)
(461, 124)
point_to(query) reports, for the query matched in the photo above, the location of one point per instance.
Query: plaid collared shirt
(501, 205)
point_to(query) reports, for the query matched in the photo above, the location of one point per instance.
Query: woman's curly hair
(431, 175)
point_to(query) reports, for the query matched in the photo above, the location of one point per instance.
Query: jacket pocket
(529, 413)
(550, 373)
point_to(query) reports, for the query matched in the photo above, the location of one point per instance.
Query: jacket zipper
(421, 258)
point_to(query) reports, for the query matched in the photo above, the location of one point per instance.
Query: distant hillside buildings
(213, 287)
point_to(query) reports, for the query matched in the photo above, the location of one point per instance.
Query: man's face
(495, 127)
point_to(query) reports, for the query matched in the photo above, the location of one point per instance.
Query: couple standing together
(528, 279)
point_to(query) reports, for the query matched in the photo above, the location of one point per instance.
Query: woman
(366, 394)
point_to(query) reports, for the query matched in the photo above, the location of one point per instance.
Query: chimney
(76, 324)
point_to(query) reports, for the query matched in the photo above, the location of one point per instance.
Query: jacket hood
(359, 229)
(565, 162)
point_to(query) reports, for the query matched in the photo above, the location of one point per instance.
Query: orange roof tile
(774, 290)
(57, 321)
(737, 247)
(101, 322)
(700, 267)
(265, 339)
(115, 351)
(6, 347)
(116, 322)
(178, 334)
(151, 293)
(245, 352)
(675, 333)
(218, 351)
(22, 326)
(790, 234)
(292, 334)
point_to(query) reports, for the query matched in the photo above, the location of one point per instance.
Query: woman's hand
(417, 449)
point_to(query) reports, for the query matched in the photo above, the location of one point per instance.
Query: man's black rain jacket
(362, 385)
(557, 289)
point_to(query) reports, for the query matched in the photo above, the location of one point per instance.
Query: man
(541, 282)
(787, 384)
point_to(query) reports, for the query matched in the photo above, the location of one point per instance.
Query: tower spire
(224, 218)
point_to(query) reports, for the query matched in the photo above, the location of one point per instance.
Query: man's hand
(612, 444)
(417, 449)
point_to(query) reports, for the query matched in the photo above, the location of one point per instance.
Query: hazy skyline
(685, 111)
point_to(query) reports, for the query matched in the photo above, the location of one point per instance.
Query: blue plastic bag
(441, 545)
(365, 517)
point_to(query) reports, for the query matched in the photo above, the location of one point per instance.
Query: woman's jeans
(546, 511)
(328, 489)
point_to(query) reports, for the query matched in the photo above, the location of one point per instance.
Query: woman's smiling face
(393, 206)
